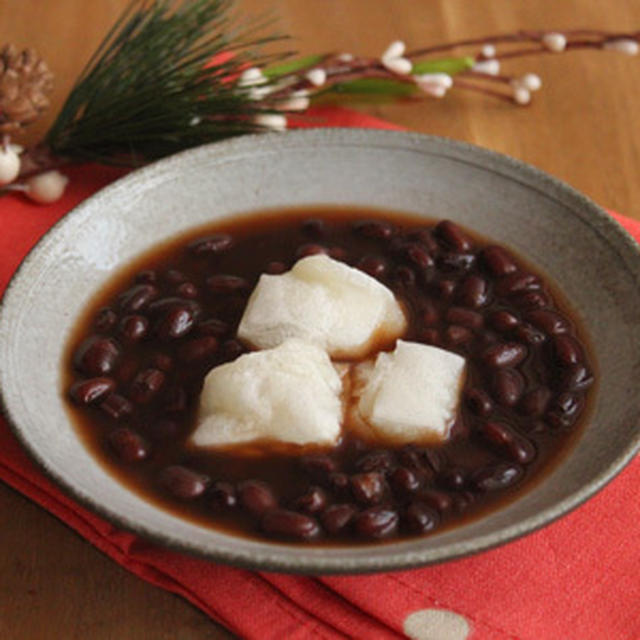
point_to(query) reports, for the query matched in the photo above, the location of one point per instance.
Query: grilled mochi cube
(411, 394)
(288, 394)
(336, 307)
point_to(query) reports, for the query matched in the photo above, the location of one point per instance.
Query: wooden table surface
(582, 127)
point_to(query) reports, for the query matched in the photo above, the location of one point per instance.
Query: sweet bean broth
(137, 360)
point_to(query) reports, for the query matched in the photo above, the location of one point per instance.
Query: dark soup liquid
(137, 360)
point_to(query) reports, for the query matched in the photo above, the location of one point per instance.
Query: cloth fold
(577, 578)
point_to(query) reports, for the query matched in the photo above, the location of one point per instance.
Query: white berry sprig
(400, 73)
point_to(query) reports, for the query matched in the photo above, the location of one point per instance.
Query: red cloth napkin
(578, 578)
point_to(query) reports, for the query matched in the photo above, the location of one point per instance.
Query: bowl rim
(505, 166)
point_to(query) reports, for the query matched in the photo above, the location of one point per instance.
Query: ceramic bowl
(594, 262)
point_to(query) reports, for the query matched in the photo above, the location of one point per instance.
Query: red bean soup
(138, 357)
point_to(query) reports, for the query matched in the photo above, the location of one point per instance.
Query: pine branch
(160, 83)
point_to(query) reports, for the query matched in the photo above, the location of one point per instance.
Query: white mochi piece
(323, 301)
(287, 394)
(412, 394)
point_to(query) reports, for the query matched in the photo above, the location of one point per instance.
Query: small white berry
(433, 90)
(395, 50)
(297, 101)
(532, 81)
(522, 95)
(401, 66)
(555, 42)
(529, 81)
(273, 121)
(622, 45)
(257, 93)
(490, 67)
(345, 57)
(195, 121)
(488, 51)
(9, 165)
(317, 77)
(438, 79)
(46, 187)
(251, 76)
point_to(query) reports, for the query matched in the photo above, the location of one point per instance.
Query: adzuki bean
(222, 495)
(513, 443)
(576, 378)
(465, 317)
(473, 292)
(565, 409)
(567, 350)
(116, 406)
(505, 354)
(310, 249)
(382, 461)
(503, 321)
(213, 244)
(498, 261)
(337, 517)
(184, 483)
(148, 276)
(452, 236)
(176, 323)
(496, 477)
(479, 402)
(213, 327)
(128, 445)
(507, 386)
(456, 335)
(314, 227)
(256, 497)
(290, 524)
(97, 356)
(548, 321)
(376, 267)
(376, 522)
(187, 290)
(318, 466)
(225, 284)
(105, 320)
(530, 300)
(368, 488)
(198, 349)
(146, 385)
(91, 390)
(313, 501)
(529, 334)
(418, 255)
(439, 500)
(535, 402)
(420, 518)
(133, 328)
(405, 481)
(138, 297)
(517, 283)
(374, 229)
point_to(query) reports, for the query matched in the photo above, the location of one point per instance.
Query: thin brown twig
(470, 86)
(520, 36)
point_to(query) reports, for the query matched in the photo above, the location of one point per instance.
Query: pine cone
(25, 81)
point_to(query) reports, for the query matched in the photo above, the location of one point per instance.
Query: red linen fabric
(578, 578)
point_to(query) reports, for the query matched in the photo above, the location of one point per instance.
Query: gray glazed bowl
(595, 263)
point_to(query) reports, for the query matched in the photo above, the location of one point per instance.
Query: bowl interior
(593, 261)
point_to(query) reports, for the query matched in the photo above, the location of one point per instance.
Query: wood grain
(582, 128)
